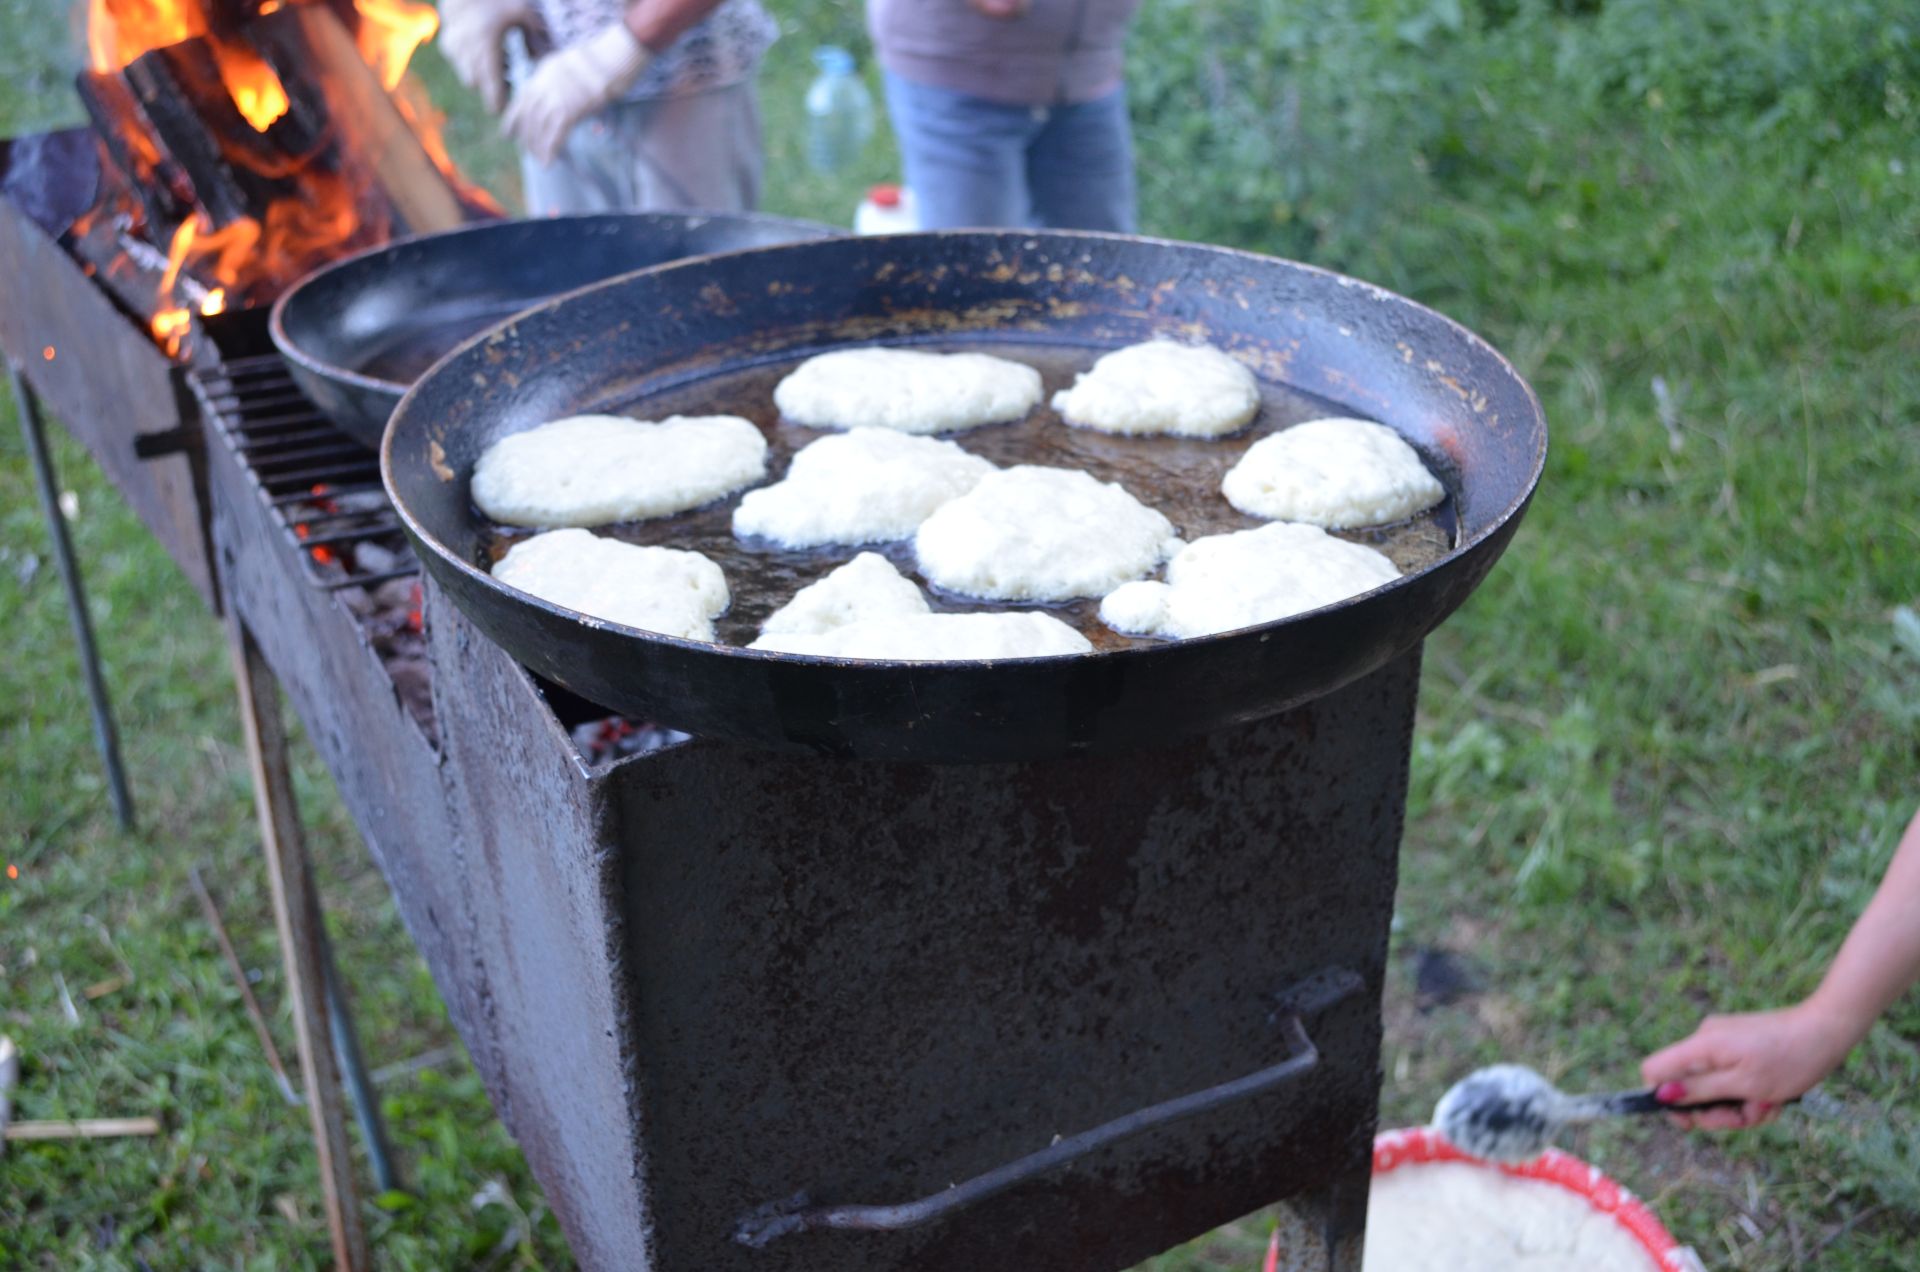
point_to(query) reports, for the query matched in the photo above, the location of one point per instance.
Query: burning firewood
(257, 139)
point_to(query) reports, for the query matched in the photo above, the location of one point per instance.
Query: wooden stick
(296, 913)
(258, 1017)
(9, 1078)
(84, 1128)
(327, 80)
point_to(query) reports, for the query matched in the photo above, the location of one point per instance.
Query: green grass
(1662, 755)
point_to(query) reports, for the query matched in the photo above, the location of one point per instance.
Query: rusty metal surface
(536, 851)
(799, 1214)
(108, 384)
(388, 774)
(663, 333)
(716, 976)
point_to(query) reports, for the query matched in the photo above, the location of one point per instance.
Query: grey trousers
(663, 154)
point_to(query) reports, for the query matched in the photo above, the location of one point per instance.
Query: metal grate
(322, 485)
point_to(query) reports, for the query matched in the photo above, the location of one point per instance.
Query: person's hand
(567, 86)
(1762, 1059)
(1000, 9)
(471, 32)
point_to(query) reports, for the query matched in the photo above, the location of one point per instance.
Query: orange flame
(326, 212)
(390, 30)
(118, 31)
(256, 90)
(229, 249)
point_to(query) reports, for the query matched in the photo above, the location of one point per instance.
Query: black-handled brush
(1509, 1113)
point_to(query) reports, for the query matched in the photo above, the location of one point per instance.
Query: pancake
(937, 638)
(906, 390)
(593, 470)
(662, 590)
(1162, 387)
(867, 486)
(1336, 473)
(1228, 581)
(866, 587)
(1042, 534)
(868, 609)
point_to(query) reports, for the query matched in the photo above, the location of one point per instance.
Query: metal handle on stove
(1315, 994)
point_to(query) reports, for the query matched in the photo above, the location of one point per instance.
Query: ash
(391, 617)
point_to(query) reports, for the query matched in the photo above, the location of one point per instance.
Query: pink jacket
(1056, 51)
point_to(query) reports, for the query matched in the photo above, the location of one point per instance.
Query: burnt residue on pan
(1178, 476)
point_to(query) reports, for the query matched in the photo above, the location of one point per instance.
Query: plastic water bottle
(839, 112)
(887, 209)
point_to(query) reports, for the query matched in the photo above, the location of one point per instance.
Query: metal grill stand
(296, 914)
(127, 403)
(707, 986)
(711, 980)
(105, 736)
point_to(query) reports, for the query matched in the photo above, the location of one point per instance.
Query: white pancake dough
(866, 587)
(1162, 387)
(868, 609)
(1042, 534)
(661, 590)
(937, 638)
(1335, 473)
(906, 390)
(1448, 1216)
(1228, 581)
(592, 470)
(866, 486)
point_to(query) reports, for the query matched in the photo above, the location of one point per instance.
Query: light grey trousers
(662, 154)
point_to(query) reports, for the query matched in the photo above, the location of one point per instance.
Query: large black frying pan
(358, 332)
(715, 334)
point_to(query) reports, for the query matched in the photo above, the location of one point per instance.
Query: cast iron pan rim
(421, 537)
(294, 352)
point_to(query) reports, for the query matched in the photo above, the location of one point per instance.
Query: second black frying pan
(357, 333)
(714, 334)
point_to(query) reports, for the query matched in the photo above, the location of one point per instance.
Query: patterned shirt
(724, 48)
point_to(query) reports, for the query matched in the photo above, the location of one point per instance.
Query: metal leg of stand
(105, 736)
(353, 1072)
(296, 913)
(1345, 1218)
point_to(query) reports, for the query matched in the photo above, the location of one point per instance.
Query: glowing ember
(170, 327)
(320, 552)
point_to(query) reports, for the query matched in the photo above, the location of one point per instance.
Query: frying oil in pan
(1178, 476)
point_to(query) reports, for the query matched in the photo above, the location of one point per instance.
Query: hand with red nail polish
(1763, 1059)
(1766, 1058)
